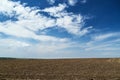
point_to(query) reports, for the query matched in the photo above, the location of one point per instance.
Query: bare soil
(60, 69)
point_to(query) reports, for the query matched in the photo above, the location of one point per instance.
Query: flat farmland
(60, 69)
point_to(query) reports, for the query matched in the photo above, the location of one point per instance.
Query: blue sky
(60, 28)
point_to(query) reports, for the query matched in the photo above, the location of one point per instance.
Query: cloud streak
(106, 36)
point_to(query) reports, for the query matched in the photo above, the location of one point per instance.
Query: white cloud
(14, 29)
(72, 2)
(99, 42)
(8, 43)
(51, 48)
(51, 1)
(29, 20)
(73, 27)
(17, 48)
(73, 23)
(103, 46)
(6, 6)
(55, 9)
(105, 36)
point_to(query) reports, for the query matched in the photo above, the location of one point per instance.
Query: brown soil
(60, 69)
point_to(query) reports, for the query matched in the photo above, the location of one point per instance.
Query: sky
(60, 28)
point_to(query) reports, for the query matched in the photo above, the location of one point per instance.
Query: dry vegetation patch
(63, 69)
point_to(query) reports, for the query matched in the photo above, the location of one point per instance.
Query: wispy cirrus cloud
(104, 42)
(106, 36)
